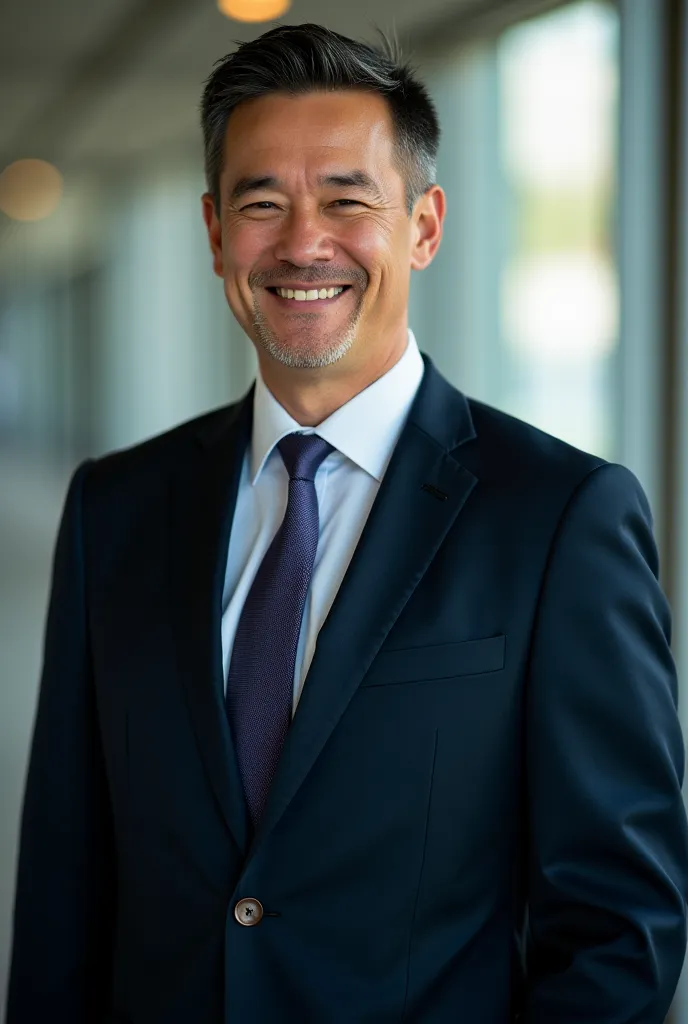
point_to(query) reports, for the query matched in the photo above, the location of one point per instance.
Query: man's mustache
(309, 275)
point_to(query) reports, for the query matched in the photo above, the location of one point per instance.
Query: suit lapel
(404, 530)
(204, 496)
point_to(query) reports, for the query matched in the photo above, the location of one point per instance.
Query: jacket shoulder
(513, 448)
(527, 469)
(168, 441)
(148, 463)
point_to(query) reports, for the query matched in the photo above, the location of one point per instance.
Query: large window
(521, 308)
(559, 308)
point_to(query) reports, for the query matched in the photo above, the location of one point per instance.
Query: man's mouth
(304, 296)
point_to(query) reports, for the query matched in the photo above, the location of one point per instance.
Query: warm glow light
(254, 10)
(30, 189)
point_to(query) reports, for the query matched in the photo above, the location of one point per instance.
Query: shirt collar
(365, 429)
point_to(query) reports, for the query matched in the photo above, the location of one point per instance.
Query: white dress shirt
(364, 433)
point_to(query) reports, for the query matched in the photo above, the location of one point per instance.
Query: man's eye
(264, 204)
(347, 202)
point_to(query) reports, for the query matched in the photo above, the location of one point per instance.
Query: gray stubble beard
(300, 358)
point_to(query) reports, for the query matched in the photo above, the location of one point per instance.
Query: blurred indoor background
(559, 293)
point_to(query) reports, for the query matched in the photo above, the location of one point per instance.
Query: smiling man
(358, 704)
(316, 252)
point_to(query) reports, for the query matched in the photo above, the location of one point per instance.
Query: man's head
(320, 162)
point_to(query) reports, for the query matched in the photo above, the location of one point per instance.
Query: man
(475, 813)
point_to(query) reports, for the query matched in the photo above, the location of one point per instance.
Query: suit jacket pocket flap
(414, 664)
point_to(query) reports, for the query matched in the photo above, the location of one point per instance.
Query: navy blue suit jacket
(477, 815)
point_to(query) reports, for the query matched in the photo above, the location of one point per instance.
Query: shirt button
(248, 912)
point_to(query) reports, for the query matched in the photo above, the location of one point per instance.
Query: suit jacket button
(248, 912)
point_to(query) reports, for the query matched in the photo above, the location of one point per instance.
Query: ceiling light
(254, 10)
(30, 189)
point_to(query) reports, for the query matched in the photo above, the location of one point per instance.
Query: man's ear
(214, 230)
(428, 217)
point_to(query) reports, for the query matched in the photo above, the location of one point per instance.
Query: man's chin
(302, 352)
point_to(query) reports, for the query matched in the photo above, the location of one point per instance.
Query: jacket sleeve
(65, 884)
(608, 859)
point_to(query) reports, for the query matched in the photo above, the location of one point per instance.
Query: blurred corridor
(559, 294)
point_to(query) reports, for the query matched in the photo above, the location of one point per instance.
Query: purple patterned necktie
(260, 684)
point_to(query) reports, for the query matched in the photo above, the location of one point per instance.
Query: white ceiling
(95, 83)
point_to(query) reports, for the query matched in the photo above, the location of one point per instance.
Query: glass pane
(559, 312)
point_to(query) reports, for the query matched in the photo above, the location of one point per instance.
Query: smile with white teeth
(309, 296)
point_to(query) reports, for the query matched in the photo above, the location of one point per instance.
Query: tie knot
(302, 454)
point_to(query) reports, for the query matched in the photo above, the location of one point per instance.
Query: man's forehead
(318, 137)
(334, 101)
(340, 120)
(293, 160)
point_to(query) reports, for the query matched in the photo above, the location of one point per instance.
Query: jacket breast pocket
(443, 661)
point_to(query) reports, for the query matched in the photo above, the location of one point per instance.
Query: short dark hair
(298, 59)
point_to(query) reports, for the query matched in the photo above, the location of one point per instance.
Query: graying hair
(298, 59)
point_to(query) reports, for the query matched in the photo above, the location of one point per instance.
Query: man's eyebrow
(351, 179)
(252, 184)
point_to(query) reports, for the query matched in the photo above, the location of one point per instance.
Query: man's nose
(304, 238)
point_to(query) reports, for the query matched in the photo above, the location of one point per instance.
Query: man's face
(312, 200)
